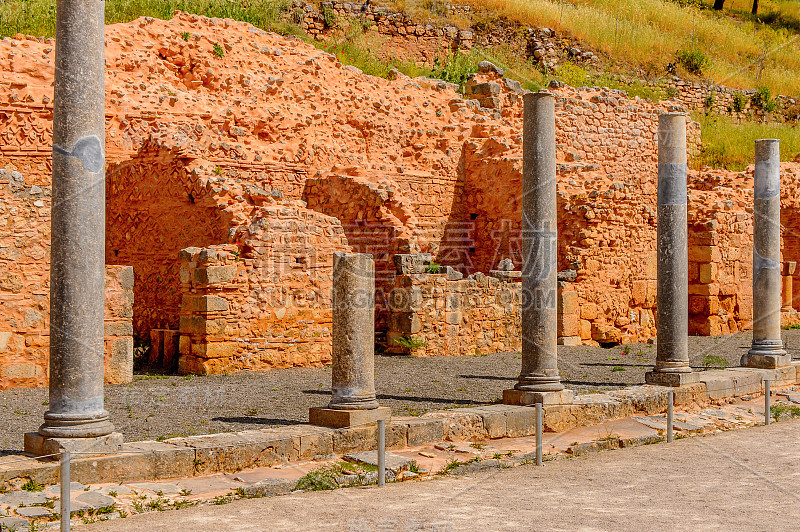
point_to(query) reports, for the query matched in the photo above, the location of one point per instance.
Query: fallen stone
(427, 455)
(23, 498)
(444, 446)
(270, 487)
(55, 489)
(95, 499)
(155, 487)
(14, 523)
(74, 507)
(33, 511)
(119, 490)
(394, 462)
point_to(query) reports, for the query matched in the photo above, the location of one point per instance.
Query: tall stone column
(353, 345)
(672, 350)
(539, 310)
(767, 348)
(76, 418)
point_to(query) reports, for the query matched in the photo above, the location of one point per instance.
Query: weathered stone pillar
(767, 348)
(672, 305)
(539, 247)
(353, 343)
(787, 286)
(76, 418)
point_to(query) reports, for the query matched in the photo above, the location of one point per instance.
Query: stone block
(354, 439)
(524, 398)
(199, 325)
(568, 325)
(110, 328)
(506, 276)
(708, 273)
(638, 292)
(489, 88)
(586, 330)
(670, 379)
(521, 421)
(215, 274)
(752, 360)
(704, 254)
(22, 371)
(331, 417)
(411, 263)
(394, 462)
(569, 340)
(606, 334)
(37, 445)
(491, 102)
(159, 460)
(568, 302)
(5, 337)
(193, 303)
(405, 299)
(422, 431)
(316, 443)
(236, 451)
(214, 349)
(782, 376)
(119, 361)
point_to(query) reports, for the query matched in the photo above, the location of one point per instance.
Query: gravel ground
(158, 406)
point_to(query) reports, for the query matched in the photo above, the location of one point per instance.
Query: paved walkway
(743, 479)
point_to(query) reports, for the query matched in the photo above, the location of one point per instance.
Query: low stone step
(394, 462)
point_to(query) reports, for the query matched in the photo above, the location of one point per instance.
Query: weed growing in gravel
(32, 485)
(714, 361)
(219, 51)
(450, 467)
(776, 411)
(617, 368)
(330, 477)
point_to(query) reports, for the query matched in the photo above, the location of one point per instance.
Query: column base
(664, 378)
(38, 445)
(771, 361)
(338, 419)
(524, 398)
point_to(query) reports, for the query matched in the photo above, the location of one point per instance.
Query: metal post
(670, 402)
(381, 452)
(65, 492)
(539, 434)
(766, 401)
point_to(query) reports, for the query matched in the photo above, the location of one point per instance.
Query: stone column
(76, 418)
(353, 345)
(672, 306)
(767, 348)
(539, 248)
(787, 286)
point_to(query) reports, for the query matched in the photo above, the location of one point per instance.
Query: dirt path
(744, 479)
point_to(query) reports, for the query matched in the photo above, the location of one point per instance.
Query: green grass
(37, 17)
(715, 361)
(776, 411)
(728, 143)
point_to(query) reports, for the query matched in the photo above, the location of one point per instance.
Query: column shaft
(539, 247)
(767, 348)
(353, 374)
(672, 312)
(78, 225)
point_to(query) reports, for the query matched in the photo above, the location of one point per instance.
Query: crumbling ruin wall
(433, 314)
(265, 302)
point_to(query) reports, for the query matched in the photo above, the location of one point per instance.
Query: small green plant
(433, 268)
(672, 92)
(32, 485)
(778, 410)
(739, 102)
(218, 170)
(252, 412)
(714, 361)
(410, 342)
(792, 326)
(138, 507)
(617, 368)
(708, 103)
(219, 51)
(112, 493)
(450, 466)
(694, 60)
(329, 17)
(414, 468)
(762, 99)
(186, 492)
(572, 74)
(330, 477)
(185, 35)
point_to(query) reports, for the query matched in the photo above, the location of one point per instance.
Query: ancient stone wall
(432, 315)
(264, 302)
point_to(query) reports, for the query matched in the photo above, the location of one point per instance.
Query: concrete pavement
(737, 480)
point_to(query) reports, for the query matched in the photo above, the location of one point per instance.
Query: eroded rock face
(220, 134)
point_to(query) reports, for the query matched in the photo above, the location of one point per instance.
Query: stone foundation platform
(202, 455)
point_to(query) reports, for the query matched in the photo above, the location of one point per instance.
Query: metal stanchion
(766, 401)
(670, 403)
(538, 434)
(65, 492)
(381, 452)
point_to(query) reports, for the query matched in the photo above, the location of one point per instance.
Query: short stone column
(539, 375)
(353, 346)
(672, 303)
(787, 285)
(76, 418)
(767, 348)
